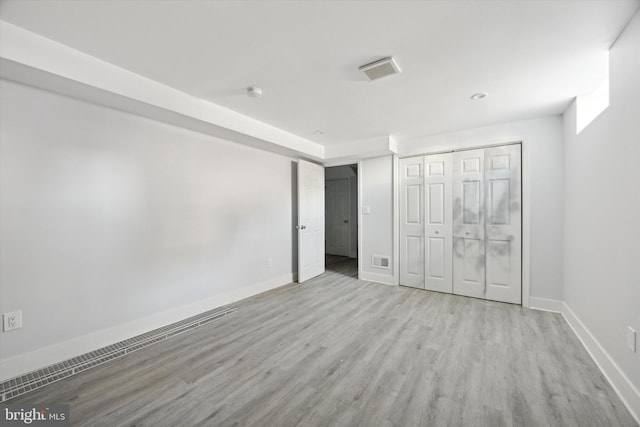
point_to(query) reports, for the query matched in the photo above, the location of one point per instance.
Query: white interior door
(412, 222)
(337, 216)
(468, 223)
(310, 220)
(503, 224)
(438, 223)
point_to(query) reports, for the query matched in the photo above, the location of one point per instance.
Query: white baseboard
(42, 357)
(375, 277)
(546, 304)
(628, 393)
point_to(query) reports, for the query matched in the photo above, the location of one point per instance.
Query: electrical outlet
(631, 339)
(269, 262)
(12, 320)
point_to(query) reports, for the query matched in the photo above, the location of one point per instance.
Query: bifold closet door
(487, 253)
(412, 222)
(468, 223)
(503, 224)
(438, 223)
(460, 223)
(426, 223)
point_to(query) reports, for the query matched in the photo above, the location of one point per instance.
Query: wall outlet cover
(12, 320)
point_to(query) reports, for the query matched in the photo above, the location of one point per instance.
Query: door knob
(302, 227)
(466, 232)
(346, 221)
(437, 231)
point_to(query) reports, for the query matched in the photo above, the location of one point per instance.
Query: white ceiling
(532, 57)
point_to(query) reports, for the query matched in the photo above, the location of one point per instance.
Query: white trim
(545, 304)
(627, 392)
(377, 278)
(353, 252)
(396, 220)
(360, 252)
(24, 363)
(526, 223)
(464, 147)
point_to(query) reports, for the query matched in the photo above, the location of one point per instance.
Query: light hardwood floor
(341, 352)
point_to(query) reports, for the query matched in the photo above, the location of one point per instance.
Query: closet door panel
(468, 223)
(438, 223)
(503, 224)
(437, 258)
(472, 270)
(412, 222)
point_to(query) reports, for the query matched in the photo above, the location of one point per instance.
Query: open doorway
(341, 219)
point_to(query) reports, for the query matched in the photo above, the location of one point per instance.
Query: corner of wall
(627, 392)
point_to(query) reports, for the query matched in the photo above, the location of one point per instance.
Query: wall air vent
(379, 261)
(34, 380)
(380, 68)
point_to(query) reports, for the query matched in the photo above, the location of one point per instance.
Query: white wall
(542, 180)
(112, 224)
(602, 215)
(376, 228)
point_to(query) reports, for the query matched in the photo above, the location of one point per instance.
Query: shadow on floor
(342, 265)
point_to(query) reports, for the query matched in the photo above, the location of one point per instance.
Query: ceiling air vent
(380, 68)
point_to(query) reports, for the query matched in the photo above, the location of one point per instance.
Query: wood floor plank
(336, 351)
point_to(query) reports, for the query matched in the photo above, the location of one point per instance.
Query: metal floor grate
(23, 384)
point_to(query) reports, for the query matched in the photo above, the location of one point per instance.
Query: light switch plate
(631, 339)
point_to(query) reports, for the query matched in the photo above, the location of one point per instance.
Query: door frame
(358, 198)
(526, 205)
